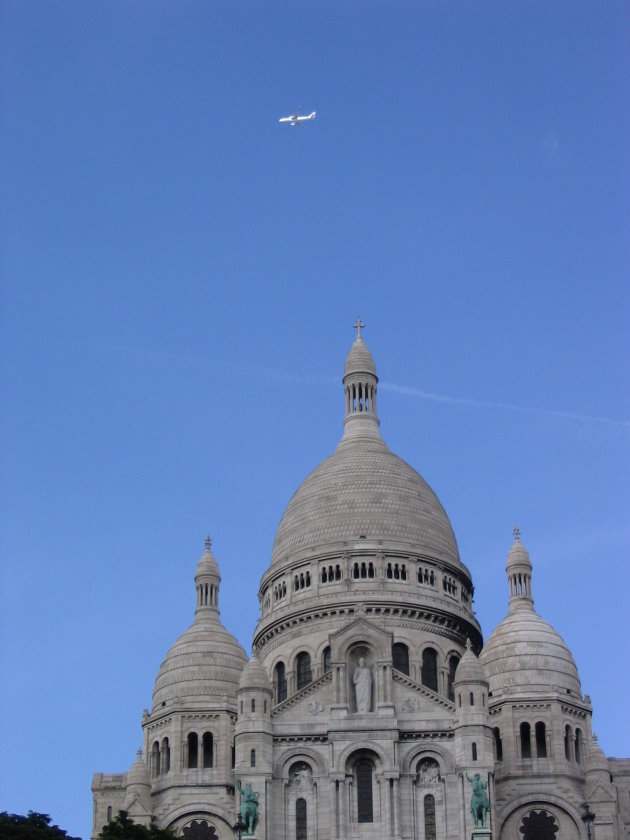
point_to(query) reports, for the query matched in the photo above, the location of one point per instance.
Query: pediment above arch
(312, 703)
(359, 632)
(412, 698)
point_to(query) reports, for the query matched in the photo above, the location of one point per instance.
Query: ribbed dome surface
(469, 669)
(364, 489)
(204, 664)
(255, 676)
(525, 653)
(138, 773)
(359, 359)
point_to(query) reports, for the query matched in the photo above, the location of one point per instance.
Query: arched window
(453, 662)
(578, 746)
(429, 817)
(363, 772)
(304, 676)
(541, 740)
(327, 661)
(109, 813)
(400, 655)
(253, 705)
(208, 750)
(252, 758)
(474, 751)
(165, 759)
(155, 758)
(429, 669)
(539, 825)
(568, 738)
(193, 749)
(526, 744)
(498, 745)
(281, 682)
(300, 819)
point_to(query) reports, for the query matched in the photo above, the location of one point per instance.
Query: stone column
(396, 805)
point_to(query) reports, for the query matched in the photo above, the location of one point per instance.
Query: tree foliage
(34, 826)
(122, 827)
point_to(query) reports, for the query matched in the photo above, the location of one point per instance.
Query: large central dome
(364, 491)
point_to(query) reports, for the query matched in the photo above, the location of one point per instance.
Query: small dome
(469, 668)
(596, 760)
(254, 675)
(524, 653)
(359, 359)
(204, 664)
(207, 564)
(518, 555)
(138, 774)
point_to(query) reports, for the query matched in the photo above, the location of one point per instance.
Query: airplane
(296, 119)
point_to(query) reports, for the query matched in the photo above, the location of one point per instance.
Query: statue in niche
(428, 772)
(362, 679)
(479, 803)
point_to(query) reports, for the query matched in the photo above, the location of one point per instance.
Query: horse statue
(248, 810)
(479, 803)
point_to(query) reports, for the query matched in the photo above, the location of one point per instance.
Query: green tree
(34, 826)
(122, 827)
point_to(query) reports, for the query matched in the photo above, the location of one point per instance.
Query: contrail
(406, 390)
(525, 409)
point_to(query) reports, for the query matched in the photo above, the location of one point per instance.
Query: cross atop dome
(358, 326)
(517, 534)
(208, 543)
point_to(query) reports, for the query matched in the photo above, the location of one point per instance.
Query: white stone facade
(371, 702)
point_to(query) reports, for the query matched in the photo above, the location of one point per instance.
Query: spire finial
(208, 543)
(358, 325)
(517, 534)
(468, 643)
(139, 753)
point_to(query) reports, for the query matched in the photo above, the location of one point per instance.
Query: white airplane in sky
(296, 119)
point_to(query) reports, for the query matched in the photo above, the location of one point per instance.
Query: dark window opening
(526, 746)
(327, 661)
(429, 669)
(281, 682)
(300, 819)
(400, 656)
(193, 744)
(498, 745)
(208, 757)
(364, 792)
(429, 818)
(541, 740)
(453, 662)
(252, 758)
(304, 675)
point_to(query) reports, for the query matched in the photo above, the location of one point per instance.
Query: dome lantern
(207, 581)
(519, 572)
(360, 386)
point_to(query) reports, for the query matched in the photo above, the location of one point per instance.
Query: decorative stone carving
(315, 707)
(428, 772)
(411, 704)
(301, 776)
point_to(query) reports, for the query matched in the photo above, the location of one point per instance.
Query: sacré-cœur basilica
(371, 707)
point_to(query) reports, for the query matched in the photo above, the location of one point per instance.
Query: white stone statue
(362, 679)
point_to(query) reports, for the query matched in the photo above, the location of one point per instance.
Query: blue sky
(180, 274)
